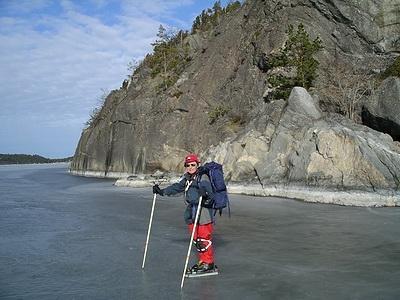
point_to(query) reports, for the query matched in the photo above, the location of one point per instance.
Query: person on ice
(193, 186)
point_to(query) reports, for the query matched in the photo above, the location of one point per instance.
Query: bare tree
(344, 87)
(133, 65)
(96, 112)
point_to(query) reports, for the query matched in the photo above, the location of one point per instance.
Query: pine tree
(161, 46)
(216, 13)
(297, 53)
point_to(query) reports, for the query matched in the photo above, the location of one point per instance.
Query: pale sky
(58, 57)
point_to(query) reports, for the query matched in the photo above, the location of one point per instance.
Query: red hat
(191, 158)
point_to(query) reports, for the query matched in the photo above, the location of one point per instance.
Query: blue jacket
(193, 188)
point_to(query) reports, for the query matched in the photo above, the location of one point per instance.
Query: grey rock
(330, 152)
(375, 22)
(158, 173)
(300, 101)
(382, 111)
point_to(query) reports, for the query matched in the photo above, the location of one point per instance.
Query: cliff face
(141, 129)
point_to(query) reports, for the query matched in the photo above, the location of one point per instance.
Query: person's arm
(175, 188)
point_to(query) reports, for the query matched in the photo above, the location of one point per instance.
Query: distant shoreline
(23, 159)
(66, 163)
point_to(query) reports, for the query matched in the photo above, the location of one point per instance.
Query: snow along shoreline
(379, 198)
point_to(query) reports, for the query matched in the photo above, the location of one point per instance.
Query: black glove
(206, 201)
(157, 190)
(202, 192)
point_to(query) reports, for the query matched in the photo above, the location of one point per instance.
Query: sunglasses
(191, 165)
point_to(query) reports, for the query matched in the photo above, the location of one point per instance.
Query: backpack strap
(188, 183)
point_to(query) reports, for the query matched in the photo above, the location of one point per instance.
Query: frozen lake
(67, 237)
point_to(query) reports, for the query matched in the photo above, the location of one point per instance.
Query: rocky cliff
(141, 129)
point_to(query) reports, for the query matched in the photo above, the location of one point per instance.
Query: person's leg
(203, 242)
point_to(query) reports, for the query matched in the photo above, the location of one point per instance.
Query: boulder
(382, 111)
(300, 102)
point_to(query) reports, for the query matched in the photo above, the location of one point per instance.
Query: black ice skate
(202, 269)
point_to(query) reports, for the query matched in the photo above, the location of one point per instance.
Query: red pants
(203, 241)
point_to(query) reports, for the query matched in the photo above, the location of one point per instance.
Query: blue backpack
(216, 175)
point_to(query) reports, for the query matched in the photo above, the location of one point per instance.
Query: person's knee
(202, 244)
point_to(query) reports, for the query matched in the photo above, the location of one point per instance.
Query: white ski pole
(191, 240)
(148, 230)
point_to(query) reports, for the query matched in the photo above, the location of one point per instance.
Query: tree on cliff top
(211, 17)
(169, 57)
